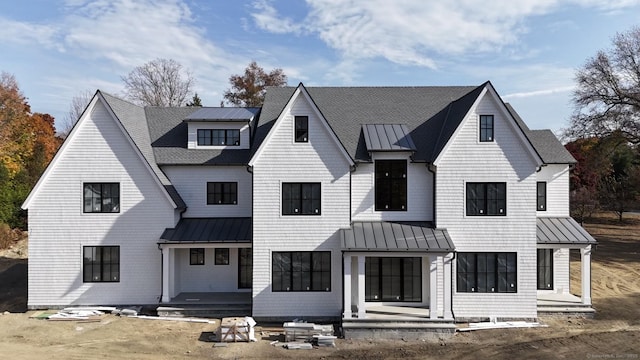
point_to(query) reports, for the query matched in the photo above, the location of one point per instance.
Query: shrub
(8, 236)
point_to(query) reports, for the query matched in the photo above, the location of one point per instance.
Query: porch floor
(386, 312)
(207, 304)
(562, 304)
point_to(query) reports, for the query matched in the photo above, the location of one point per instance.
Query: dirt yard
(614, 333)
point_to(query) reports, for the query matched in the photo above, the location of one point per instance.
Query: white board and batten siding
(58, 229)
(283, 160)
(504, 160)
(194, 126)
(557, 178)
(191, 184)
(419, 191)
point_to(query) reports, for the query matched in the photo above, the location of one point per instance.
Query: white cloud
(542, 92)
(24, 33)
(417, 32)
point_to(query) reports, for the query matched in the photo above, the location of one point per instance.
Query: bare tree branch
(160, 82)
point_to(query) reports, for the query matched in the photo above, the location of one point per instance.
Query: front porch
(207, 304)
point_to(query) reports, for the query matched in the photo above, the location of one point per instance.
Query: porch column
(165, 274)
(361, 280)
(585, 261)
(346, 286)
(447, 314)
(433, 287)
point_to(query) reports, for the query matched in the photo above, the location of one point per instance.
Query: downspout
(161, 275)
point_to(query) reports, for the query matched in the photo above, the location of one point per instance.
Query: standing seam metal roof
(387, 137)
(562, 230)
(395, 236)
(210, 230)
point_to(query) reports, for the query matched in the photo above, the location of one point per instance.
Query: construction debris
(298, 346)
(500, 325)
(236, 329)
(324, 340)
(299, 331)
(72, 314)
(167, 318)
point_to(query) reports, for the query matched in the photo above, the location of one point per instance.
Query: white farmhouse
(436, 204)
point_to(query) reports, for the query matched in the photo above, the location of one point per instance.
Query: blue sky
(529, 49)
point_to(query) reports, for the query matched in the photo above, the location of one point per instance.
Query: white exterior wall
(283, 160)
(208, 277)
(419, 192)
(191, 184)
(557, 178)
(193, 126)
(58, 228)
(504, 160)
(561, 275)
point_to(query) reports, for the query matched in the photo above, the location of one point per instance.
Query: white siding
(208, 277)
(282, 160)
(58, 228)
(419, 192)
(193, 126)
(561, 276)
(191, 183)
(504, 160)
(557, 178)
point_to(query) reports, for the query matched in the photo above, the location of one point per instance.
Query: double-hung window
(222, 193)
(101, 197)
(218, 137)
(301, 271)
(301, 199)
(541, 196)
(486, 272)
(301, 128)
(486, 128)
(391, 185)
(486, 199)
(101, 263)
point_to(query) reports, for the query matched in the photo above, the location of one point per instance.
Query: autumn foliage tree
(249, 88)
(27, 144)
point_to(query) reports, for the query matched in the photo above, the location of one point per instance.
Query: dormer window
(218, 137)
(302, 129)
(486, 128)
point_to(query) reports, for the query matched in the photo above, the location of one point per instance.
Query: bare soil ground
(614, 333)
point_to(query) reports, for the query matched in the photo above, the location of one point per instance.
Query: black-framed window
(101, 263)
(222, 193)
(486, 199)
(545, 269)
(218, 137)
(301, 199)
(393, 279)
(486, 128)
(301, 128)
(245, 268)
(487, 272)
(101, 197)
(196, 256)
(541, 196)
(222, 256)
(301, 271)
(391, 185)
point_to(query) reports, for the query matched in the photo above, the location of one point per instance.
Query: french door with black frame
(393, 279)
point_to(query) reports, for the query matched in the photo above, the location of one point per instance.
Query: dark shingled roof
(431, 114)
(395, 236)
(223, 114)
(169, 140)
(562, 230)
(210, 230)
(132, 118)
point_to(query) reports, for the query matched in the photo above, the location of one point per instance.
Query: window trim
(388, 185)
(199, 254)
(301, 133)
(311, 272)
(302, 201)
(485, 128)
(484, 211)
(473, 276)
(541, 199)
(549, 265)
(102, 198)
(101, 264)
(211, 195)
(210, 132)
(221, 256)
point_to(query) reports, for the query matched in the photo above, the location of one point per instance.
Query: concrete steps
(408, 329)
(204, 310)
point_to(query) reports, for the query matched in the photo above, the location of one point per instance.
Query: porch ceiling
(395, 236)
(562, 230)
(209, 230)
